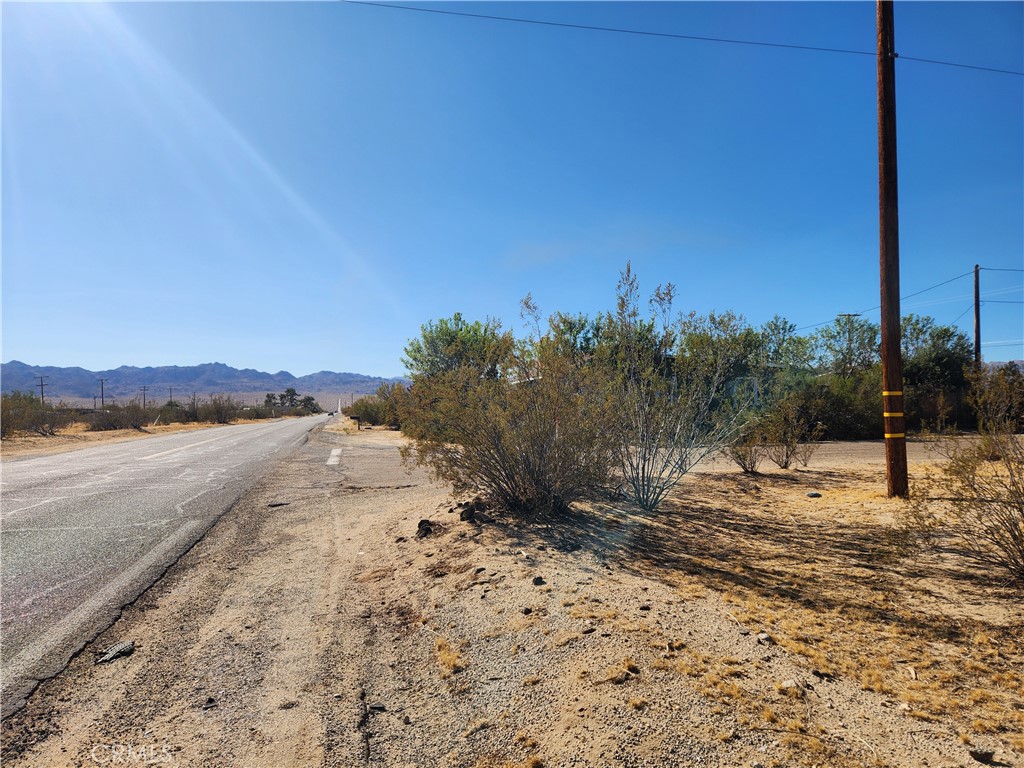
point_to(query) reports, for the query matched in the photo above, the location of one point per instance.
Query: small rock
(527, 611)
(210, 703)
(377, 708)
(982, 755)
(424, 528)
(116, 651)
(813, 495)
(406, 720)
(763, 638)
(538, 581)
(645, 607)
(290, 704)
(279, 504)
(791, 687)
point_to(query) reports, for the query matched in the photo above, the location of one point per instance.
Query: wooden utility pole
(977, 317)
(143, 390)
(103, 402)
(889, 259)
(41, 385)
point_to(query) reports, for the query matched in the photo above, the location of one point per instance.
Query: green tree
(849, 345)
(270, 401)
(452, 343)
(310, 405)
(935, 361)
(289, 398)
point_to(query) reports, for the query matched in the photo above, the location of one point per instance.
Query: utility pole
(889, 259)
(170, 394)
(41, 384)
(143, 390)
(103, 403)
(977, 317)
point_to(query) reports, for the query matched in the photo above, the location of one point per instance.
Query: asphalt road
(84, 533)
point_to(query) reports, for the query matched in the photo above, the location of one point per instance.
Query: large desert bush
(528, 427)
(681, 391)
(24, 412)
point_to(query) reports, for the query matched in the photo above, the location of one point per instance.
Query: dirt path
(324, 632)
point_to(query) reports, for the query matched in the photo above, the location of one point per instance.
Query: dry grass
(448, 658)
(824, 578)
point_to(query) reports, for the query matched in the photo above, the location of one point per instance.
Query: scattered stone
(763, 638)
(377, 708)
(645, 607)
(117, 651)
(424, 528)
(279, 504)
(406, 720)
(210, 703)
(400, 539)
(814, 495)
(527, 611)
(481, 569)
(365, 613)
(827, 676)
(468, 515)
(538, 581)
(982, 755)
(791, 688)
(290, 704)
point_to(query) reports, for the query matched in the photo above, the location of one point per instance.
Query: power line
(910, 296)
(969, 308)
(997, 269)
(671, 35)
(962, 66)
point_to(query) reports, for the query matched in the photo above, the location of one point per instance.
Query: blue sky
(300, 186)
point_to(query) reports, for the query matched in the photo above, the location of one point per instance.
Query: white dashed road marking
(335, 456)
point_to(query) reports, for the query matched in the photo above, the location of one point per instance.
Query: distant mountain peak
(218, 378)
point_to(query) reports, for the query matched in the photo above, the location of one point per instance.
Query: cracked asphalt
(84, 533)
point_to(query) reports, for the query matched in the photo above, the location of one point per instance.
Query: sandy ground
(747, 625)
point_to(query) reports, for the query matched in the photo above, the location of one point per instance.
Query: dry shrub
(978, 495)
(534, 440)
(747, 451)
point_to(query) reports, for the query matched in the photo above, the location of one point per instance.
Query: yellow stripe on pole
(895, 434)
(892, 415)
(890, 394)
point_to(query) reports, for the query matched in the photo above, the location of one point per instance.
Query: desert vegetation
(624, 404)
(25, 413)
(631, 399)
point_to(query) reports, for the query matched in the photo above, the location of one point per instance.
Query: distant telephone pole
(143, 390)
(41, 384)
(170, 394)
(977, 317)
(103, 403)
(889, 259)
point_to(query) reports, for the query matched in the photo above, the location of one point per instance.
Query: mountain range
(215, 378)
